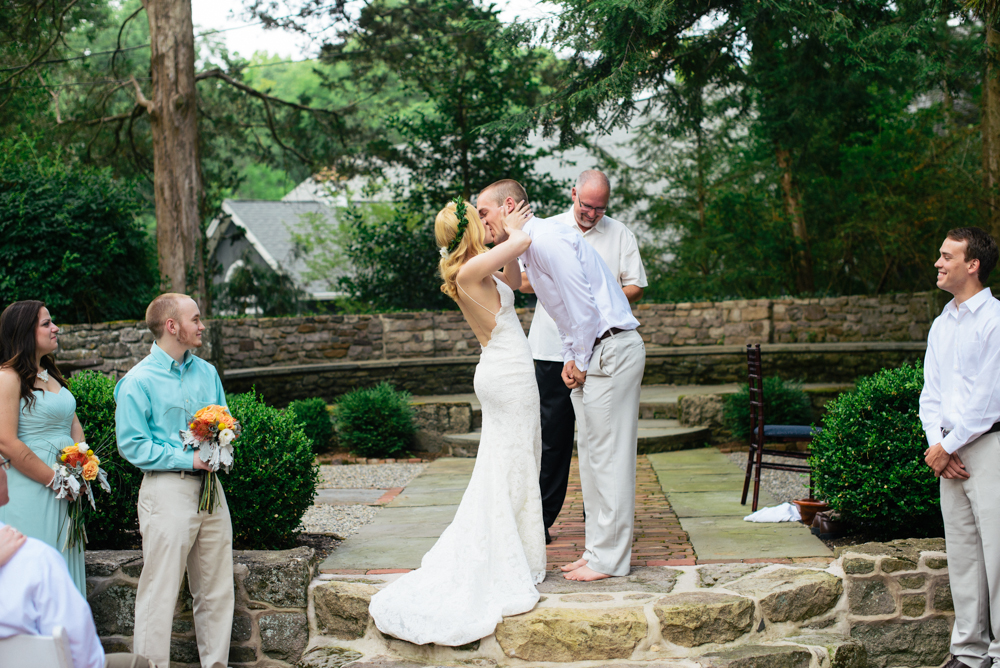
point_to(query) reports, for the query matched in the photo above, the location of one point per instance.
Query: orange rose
(90, 470)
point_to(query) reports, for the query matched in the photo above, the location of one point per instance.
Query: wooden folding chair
(761, 433)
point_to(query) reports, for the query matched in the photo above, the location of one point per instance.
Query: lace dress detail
(487, 562)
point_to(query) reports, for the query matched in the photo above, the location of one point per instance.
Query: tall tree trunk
(793, 208)
(990, 129)
(173, 115)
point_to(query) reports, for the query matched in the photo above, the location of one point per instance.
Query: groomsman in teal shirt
(156, 399)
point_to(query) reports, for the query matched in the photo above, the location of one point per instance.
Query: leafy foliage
(273, 479)
(375, 422)
(71, 238)
(114, 525)
(868, 463)
(785, 402)
(314, 418)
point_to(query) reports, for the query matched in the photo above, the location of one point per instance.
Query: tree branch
(219, 74)
(140, 99)
(41, 54)
(118, 46)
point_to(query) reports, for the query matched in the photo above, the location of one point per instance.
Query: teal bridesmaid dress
(34, 509)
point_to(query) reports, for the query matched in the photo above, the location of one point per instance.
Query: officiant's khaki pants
(607, 418)
(971, 511)
(174, 537)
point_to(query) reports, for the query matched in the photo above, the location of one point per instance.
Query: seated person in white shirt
(39, 595)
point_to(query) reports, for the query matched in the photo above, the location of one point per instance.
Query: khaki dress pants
(971, 511)
(176, 536)
(607, 418)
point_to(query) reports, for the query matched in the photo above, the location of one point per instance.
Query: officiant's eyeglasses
(599, 210)
(5, 463)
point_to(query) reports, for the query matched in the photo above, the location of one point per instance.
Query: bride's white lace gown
(487, 562)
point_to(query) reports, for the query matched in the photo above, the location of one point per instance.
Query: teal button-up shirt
(156, 400)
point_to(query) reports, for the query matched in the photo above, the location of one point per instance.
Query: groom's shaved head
(498, 192)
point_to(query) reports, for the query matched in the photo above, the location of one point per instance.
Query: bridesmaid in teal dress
(37, 420)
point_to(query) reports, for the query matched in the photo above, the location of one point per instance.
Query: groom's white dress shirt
(575, 286)
(961, 391)
(617, 246)
(37, 594)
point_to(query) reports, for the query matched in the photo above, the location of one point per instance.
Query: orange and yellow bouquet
(77, 468)
(211, 432)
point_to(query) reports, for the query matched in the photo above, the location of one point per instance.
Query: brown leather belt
(613, 330)
(992, 430)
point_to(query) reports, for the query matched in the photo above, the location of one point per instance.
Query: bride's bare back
(480, 304)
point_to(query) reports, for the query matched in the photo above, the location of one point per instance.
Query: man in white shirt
(603, 361)
(960, 411)
(39, 595)
(617, 246)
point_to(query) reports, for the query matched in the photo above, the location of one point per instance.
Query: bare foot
(585, 574)
(575, 565)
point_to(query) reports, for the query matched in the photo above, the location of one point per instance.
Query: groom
(603, 361)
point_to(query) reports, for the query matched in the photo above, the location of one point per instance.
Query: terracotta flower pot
(808, 509)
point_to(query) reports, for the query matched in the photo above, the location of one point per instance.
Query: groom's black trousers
(558, 421)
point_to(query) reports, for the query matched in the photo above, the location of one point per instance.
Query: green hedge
(273, 479)
(785, 402)
(272, 483)
(114, 525)
(868, 463)
(314, 418)
(375, 422)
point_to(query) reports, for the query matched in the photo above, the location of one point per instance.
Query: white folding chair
(26, 651)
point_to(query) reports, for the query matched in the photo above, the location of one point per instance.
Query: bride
(487, 562)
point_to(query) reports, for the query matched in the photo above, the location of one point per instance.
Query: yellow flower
(62, 458)
(90, 453)
(90, 470)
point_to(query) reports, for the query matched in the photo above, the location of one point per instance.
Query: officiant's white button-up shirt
(961, 391)
(37, 595)
(575, 286)
(618, 247)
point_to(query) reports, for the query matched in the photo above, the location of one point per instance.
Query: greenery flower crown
(463, 222)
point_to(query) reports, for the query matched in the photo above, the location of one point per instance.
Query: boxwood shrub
(314, 418)
(375, 422)
(868, 464)
(114, 525)
(785, 402)
(273, 479)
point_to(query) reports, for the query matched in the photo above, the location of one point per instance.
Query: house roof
(268, 227)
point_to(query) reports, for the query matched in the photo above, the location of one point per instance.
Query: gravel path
(341, 520)
(368, 476)
(345, 521)
(782, 485)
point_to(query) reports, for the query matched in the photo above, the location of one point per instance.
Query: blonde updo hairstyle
(471, 244)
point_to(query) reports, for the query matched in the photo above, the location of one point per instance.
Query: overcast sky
(243, 36)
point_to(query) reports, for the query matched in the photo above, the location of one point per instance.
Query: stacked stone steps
(715, 616)
(654, 436)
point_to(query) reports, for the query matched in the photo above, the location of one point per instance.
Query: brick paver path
(658, 539)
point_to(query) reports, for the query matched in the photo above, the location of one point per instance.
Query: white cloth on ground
(786, 512)
(37, 595)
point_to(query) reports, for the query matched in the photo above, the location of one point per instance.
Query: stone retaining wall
(703, 365)
(265, 342)
(877, 606)
(270, 626)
